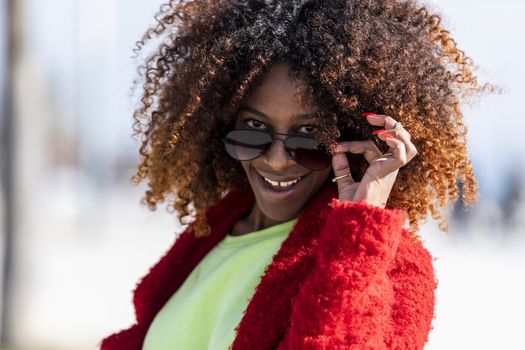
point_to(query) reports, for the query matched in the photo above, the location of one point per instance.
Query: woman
(299, 136)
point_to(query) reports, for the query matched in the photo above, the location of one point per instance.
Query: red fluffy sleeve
(372, 286)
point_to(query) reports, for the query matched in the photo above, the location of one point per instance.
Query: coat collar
(268, 312)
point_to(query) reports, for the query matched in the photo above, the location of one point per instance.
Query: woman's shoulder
(412, 253)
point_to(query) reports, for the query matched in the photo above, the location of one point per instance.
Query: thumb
(343, 176)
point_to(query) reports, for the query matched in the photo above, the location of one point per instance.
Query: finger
(341, 167)
(399, 157)
(401, 131)
(348, 193)
(387, 123)
(375, 119)
(367, 148)
(404, 136)
(379, 119)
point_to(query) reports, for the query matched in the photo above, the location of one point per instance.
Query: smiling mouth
(281, 185)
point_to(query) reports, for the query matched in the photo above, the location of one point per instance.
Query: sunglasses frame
(272, 134)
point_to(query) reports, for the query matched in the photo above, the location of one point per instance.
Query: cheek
(322, 176)
(245, 167)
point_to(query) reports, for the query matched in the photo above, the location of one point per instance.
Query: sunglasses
(243, 144)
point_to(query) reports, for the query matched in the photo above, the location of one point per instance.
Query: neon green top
(204, 312)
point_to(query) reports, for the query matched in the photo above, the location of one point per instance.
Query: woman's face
(272, 106)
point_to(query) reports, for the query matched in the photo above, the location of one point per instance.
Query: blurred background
(75, 239)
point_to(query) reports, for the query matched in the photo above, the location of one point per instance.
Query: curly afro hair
(386, 56)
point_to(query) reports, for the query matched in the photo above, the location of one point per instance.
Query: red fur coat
(348, 276)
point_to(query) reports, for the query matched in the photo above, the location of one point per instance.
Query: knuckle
(342, 167)
(370, 143)
(412, 149)
(389, 120)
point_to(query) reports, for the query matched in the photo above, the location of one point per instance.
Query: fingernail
(388, 136)
(378, 131)
(368, 114)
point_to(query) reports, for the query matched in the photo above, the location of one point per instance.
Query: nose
(276, 156)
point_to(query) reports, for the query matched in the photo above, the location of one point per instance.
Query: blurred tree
(7, 52)
(460, 214)
(512, 199)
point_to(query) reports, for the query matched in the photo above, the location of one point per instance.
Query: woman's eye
(252, 123)
(308, 128)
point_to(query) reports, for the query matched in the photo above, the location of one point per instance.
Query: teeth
(282, 184)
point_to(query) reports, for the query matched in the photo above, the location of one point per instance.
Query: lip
(279, 195)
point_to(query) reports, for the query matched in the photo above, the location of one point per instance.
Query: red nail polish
(367, 114)
(388, 136)
(378, 132)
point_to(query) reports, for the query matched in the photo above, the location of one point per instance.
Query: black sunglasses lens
(246, 144)
(309, 152)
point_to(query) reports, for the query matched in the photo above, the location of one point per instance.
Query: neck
(255, 221)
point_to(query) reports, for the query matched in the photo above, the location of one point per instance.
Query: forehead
(277, 97)
(300, 117)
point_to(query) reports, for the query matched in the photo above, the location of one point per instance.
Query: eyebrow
(261, 114)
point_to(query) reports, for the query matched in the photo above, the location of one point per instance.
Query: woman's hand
(376, 184)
